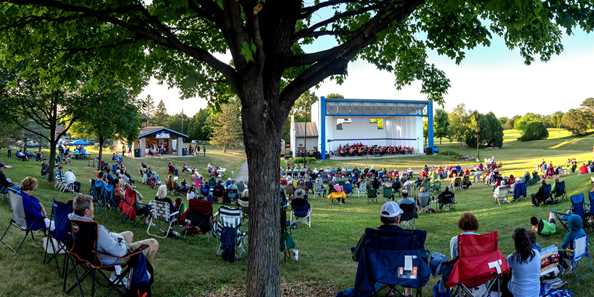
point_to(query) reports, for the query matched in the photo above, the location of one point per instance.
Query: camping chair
(560, 191)
(161, 218)
(57, 239)
(577, 205)
(371, 193)
(198, 217)
(520, 190)
(501, 195)
(83, 253)
(230, 217)
(409, 214)
(127, 205)
(348, 189)
(590, 214)
(436, 187)
(107, 196)
(362, 188)
(457, 184)
(390, 260)
(300, 211)
(578, 250)
(479, 263)
(424, 201)
(19, 221)
(388, 192)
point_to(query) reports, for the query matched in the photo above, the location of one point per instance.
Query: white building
(371, 122)
(304, 136)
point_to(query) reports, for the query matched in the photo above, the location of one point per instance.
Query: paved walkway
(243, 172)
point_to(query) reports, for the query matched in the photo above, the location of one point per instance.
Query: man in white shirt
(69, 177)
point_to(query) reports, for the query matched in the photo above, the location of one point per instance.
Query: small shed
(304, 137)
(158, 140)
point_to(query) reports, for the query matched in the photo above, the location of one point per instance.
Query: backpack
(228, 243)
(141, 277)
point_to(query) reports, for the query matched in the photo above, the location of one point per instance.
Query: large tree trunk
(262, 132)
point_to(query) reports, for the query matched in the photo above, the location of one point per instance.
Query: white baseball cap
(390, 209)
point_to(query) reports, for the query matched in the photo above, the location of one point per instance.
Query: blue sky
(492, 78)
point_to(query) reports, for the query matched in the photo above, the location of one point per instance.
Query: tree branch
(18, 123)
(159, 34)
(334, 61)
(349, 13)
(307, 11)
(66, 128)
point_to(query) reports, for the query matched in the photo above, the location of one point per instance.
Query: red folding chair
(128, 204)
(479, 266)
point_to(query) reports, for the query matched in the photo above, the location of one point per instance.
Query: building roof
(375, 107)
(306, 128)
(153, 130)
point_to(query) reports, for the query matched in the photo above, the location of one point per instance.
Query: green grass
(189, 267)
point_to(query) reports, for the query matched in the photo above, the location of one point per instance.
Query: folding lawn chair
(409, 214)
(362, 188)
(479, 266)
(501, 195)
(82, 258)
(57, 239)
(520, 190)
(198, 217)
(161, 218)
(457, 184)
(559, 192)
(388, 192)
(579, 250)
(577, 205)
(590, 214)
(300, 212)
(228, 217)
(371, 193)
(390, 260)
(348, 188)
(424, 201)
(18, 220)
(127, 205)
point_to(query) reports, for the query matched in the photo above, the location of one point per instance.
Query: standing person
(9, 152)
(525, 266)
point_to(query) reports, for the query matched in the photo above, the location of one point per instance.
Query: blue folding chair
(520, 190)
(577, 205)
(560, 190)
(389, 259)
(348, 188)
(19, 221)
(57, 239)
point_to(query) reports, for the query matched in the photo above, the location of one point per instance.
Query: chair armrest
(173, 214)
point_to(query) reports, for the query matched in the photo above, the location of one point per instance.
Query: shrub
(535, 131)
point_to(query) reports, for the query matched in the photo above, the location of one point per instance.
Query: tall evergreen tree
(226, 125)
(160, 116)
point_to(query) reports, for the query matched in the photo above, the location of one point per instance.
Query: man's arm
(356, 251)
(109, 244)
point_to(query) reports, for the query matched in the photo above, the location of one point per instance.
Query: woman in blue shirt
(34, 212)
(525, 266)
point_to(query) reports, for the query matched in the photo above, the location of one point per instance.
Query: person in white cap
(390, 218)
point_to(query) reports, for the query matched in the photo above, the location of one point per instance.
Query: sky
(491, 78)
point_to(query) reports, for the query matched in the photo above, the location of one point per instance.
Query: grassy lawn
(189, 267)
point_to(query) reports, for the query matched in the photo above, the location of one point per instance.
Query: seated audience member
(575, 231)
(338, 194)
(111, 245)
(445, 197)
(535, 244)
(191, 194)
(583, 169)
(162, 196)
(35, 214)
(44, 169)
(525, 266)
(22, 156)
(198, 215)
(4, 181)
(390, 218)
(468, 224)
(544, 227)
(69, 177)
(540, 196)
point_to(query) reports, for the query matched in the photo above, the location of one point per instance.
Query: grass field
(189, 267)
